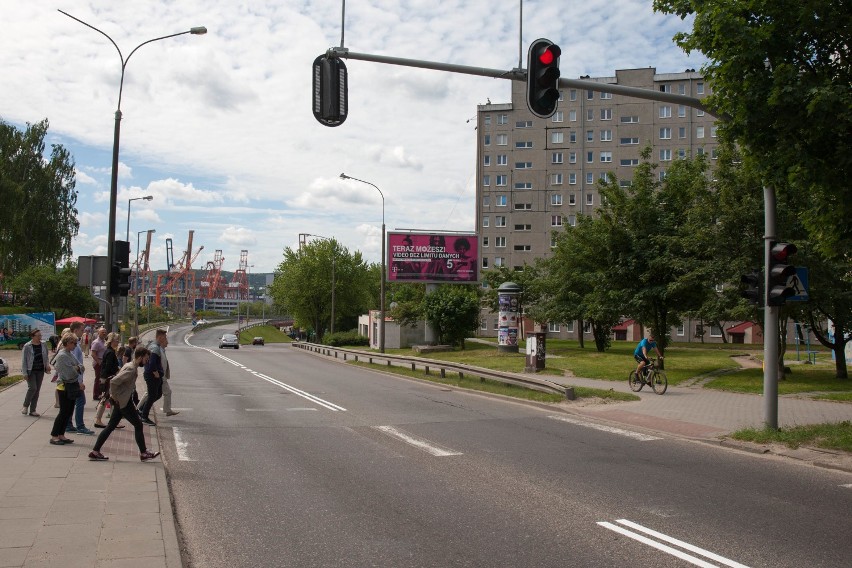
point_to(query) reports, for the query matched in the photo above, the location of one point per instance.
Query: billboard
(15, 328)
(433, 257)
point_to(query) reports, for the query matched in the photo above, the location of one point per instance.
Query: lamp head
(344, 176)
(199, 30)
(148, 197)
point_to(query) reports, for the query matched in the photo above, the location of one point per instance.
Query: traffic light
(331, 90)
(752, 288)
(120, 270)
(780, 287)
(543, 77)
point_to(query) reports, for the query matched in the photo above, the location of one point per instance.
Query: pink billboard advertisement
(433, 257)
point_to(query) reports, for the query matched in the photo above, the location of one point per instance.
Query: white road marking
(847, 485)
(180, 445)
(671, 540)
(630, 434)
(313, 398)
(417, 442)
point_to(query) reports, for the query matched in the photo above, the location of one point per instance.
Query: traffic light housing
(543, 77)
(752, 287)
(120, 270)
(331, 90)
(780, 287)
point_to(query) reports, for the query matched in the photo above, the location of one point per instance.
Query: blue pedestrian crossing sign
(799, 283)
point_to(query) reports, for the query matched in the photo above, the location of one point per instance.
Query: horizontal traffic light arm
(521, 75)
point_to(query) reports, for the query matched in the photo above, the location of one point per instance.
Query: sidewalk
(57, 508)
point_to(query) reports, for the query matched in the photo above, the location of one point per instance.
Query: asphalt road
(282, 458)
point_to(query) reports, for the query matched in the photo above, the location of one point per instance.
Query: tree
(780, 75)
(39, 217)
(47, 288)
(303, 285)
(453, 312)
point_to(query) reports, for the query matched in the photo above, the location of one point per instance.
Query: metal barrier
(442, 367)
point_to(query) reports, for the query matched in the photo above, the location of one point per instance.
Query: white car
(229, 340)
(4, 368)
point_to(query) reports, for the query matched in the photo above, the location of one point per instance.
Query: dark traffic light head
(543, 77)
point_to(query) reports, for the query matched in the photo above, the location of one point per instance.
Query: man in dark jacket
(154, 375)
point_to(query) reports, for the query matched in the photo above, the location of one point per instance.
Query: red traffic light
(549, 55)
(782, 251)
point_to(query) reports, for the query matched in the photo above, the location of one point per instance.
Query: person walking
(86, 342)
(154, 376)
(120, 389)
(99, 346)
(80, 401)
(35, 360)
(109, 367)
(68, 387)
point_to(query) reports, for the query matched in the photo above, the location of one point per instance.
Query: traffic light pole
(770, 318)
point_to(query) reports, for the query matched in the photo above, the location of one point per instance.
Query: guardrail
(442, 367)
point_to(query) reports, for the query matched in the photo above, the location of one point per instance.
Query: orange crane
(238, 287)
(143, 277)
(179, 280)
(213, 285)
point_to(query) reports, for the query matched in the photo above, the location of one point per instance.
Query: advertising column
(509, 317)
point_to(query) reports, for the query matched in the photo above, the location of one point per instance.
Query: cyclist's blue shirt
(646, 343)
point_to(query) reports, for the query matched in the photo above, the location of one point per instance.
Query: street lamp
(382, 290)
(113, 189)
(146, 198)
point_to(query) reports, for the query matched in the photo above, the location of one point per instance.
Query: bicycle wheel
(635, 382)
(659, 382)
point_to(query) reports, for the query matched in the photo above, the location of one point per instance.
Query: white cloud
(238, 236)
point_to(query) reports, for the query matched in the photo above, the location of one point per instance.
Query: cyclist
(641, 353)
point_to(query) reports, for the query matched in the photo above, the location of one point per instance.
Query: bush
(342, 338)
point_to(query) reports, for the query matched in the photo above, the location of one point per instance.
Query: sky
(218, 128)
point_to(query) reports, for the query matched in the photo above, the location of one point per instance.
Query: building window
(554, 327)
(699, 132)
(556, 220)
(557, 137)
(523, 124)
(486, 161)
(665, 133)
(629, 141)
(500, 201)
(500, 242)
(590, 157)
(556, 199)
(587, 327)
(556, 158)
(681, 111)
(590, 135)
(486, 180)
(523, 206)
(572, 95)
(572, 220)
(605, 96)
(499, 261)
(629, 120)
(484, 262)
(606, 114)
(629, 162)
(665, 154)
(606, 157)
(714, 153)
(602, 176)
(552, 241)
(590, 115)
(681, 89)
(522, 248)
(502, 139)
(681, 331)
(590, 95)
(572, 178)
(713, 131)
(523, 185)
(624, 183)
(715, 331)
(699, 151)
(681, 132)
(606, 135)
(487, 119)
(572, 115)
(557, 116)
(501, 180)
(486, 140)
(572, 199)
(590, 178)
(572, 137)
(523, 165)
(665, 111)
(486, 201)
(485, 221)
(485, 242)
(523, 145)
(572, 157)
(502, 160)
(681, 153)
(569, 327)
(500, 221)
(590, 199)
(662, 175)
(502, 119)
(699, 112)
(665, 88)
(555, 179)
(483, 324)
(526, 227)
(699, 88)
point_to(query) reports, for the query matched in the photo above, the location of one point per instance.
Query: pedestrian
(109, 367)
(86, 341)
(132, 342)
(154, 375)
(68, 387)
(98, 349)
(35, 360)
(80, 401)
(120, 388)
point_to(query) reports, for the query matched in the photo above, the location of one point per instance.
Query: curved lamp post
(146, 198)
(113, 189)
(382, 292)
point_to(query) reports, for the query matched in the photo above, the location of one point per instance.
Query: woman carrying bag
(109, 367)
(67, 388)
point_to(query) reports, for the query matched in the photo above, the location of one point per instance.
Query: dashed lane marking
(418, 443)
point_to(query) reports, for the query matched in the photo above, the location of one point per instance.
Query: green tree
(303, 285)
(46, 288)
(780, 74)
(453, 312)
(38, 219)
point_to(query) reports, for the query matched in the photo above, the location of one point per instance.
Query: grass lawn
(10, 380)
(269, 334)
(830, 436)
(804, 378)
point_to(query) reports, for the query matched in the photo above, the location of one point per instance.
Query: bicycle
(653, 376)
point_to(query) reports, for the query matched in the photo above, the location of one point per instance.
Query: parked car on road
(258, 341)
(229, 340)
(4, 368)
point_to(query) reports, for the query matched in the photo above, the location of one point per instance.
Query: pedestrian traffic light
(780, 287)
(752, 287)
(543, 77)
(120, 270)
(331, 90)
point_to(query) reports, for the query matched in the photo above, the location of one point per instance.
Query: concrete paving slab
(13, 557)
(147, 562)
(131, 549)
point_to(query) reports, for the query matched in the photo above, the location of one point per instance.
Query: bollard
(427, 370)
(443, 373)
(412, 367)
(569, 393)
